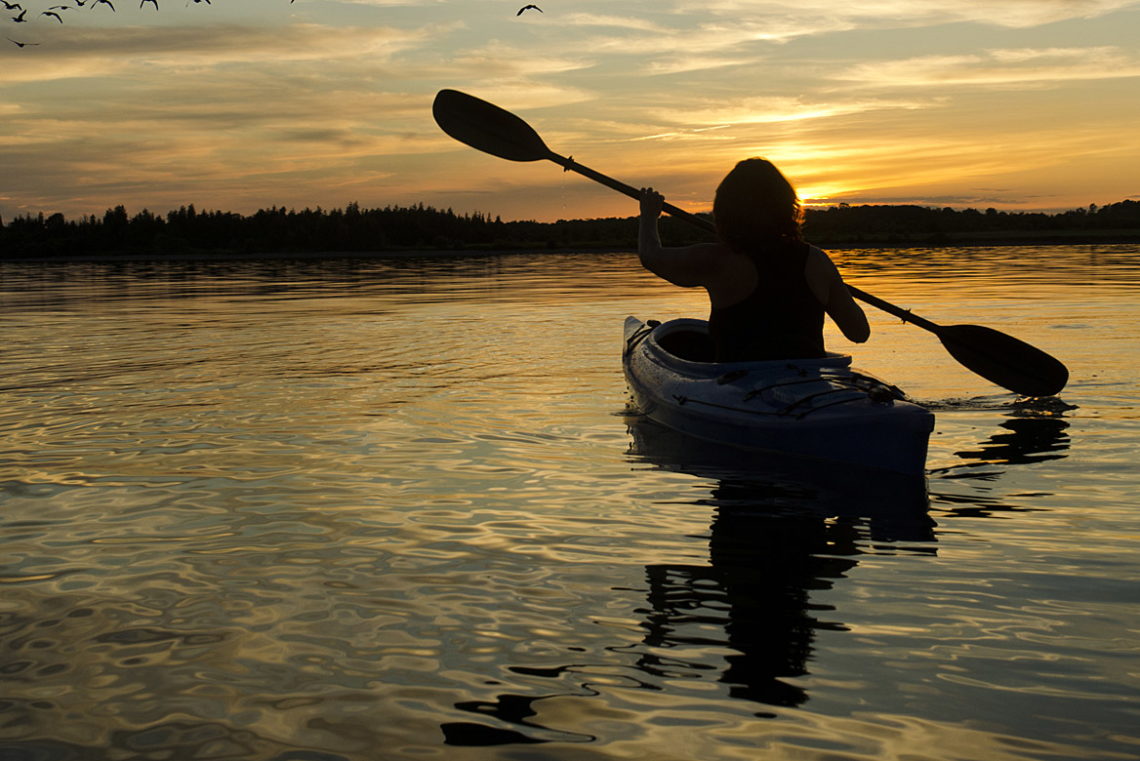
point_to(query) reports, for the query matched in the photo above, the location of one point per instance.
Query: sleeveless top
(780, 319)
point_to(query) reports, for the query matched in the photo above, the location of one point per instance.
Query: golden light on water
(342, 490)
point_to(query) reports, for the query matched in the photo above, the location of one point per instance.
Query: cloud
(922, 168)
(741, 120)
(690, 63)
(93, 52)
(685, 37)
(772, 110)
(602, 20)
(392, 3)
(879, 14)
(1004, 67)
(499, 59)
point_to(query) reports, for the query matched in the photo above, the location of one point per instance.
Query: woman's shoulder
(818, 261)
(821, 273)
(815, 252)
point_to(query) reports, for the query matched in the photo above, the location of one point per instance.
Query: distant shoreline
(1076, 238)
(422, 231)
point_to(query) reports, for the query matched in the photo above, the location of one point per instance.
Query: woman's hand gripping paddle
(995, 356)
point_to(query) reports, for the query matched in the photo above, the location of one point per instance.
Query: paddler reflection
(1033, 431)
(780, 531)
(1024, 439)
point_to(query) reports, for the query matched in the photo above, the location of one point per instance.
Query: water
(393, 510)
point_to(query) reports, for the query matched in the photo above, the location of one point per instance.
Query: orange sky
(1015, 104)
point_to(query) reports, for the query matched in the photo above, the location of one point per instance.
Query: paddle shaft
(903, 314)
(570, 165)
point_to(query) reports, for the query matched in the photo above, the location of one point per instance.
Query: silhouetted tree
(422, 227)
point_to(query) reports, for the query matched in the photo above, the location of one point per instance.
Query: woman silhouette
(768, 288)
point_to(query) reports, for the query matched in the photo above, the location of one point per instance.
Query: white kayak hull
(815, 408)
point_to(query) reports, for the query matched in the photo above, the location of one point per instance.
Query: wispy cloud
(820, 14)
(501, 59)
(393, 3)
(774, 109)
(94, 52)
(641, 23)
(1001, 68)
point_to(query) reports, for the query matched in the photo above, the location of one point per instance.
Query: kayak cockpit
(689, 344)
(688, 340)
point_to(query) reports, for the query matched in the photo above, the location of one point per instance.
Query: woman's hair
(754, 205)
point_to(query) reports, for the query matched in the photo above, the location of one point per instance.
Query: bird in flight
(22, 44)
(527, 8)
(144, 2)
(20, 19)
(54, 15)
(106, 2)
(12, 6)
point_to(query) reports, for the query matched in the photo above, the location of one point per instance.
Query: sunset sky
(239, 105)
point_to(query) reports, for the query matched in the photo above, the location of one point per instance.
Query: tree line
(423, 228)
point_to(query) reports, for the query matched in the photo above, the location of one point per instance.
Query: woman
(768, 288)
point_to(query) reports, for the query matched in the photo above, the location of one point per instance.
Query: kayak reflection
(781, 530)
(892, 505)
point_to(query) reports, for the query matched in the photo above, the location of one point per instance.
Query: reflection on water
(781, 528)
(309, 511)
(1031, 431)
(753, 596)
(1034, 430)
(1029, 439)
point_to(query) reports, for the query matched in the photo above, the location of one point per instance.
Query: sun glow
(818, 196)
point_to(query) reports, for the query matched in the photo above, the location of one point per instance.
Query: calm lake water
(395, 509)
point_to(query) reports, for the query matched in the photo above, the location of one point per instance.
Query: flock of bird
(57, 12)
(54, 12)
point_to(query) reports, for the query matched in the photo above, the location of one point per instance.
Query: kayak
(821, 409)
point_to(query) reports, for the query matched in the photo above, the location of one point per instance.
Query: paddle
(995, 356)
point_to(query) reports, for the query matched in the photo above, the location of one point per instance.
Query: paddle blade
(1004, 360)
(487, 127)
